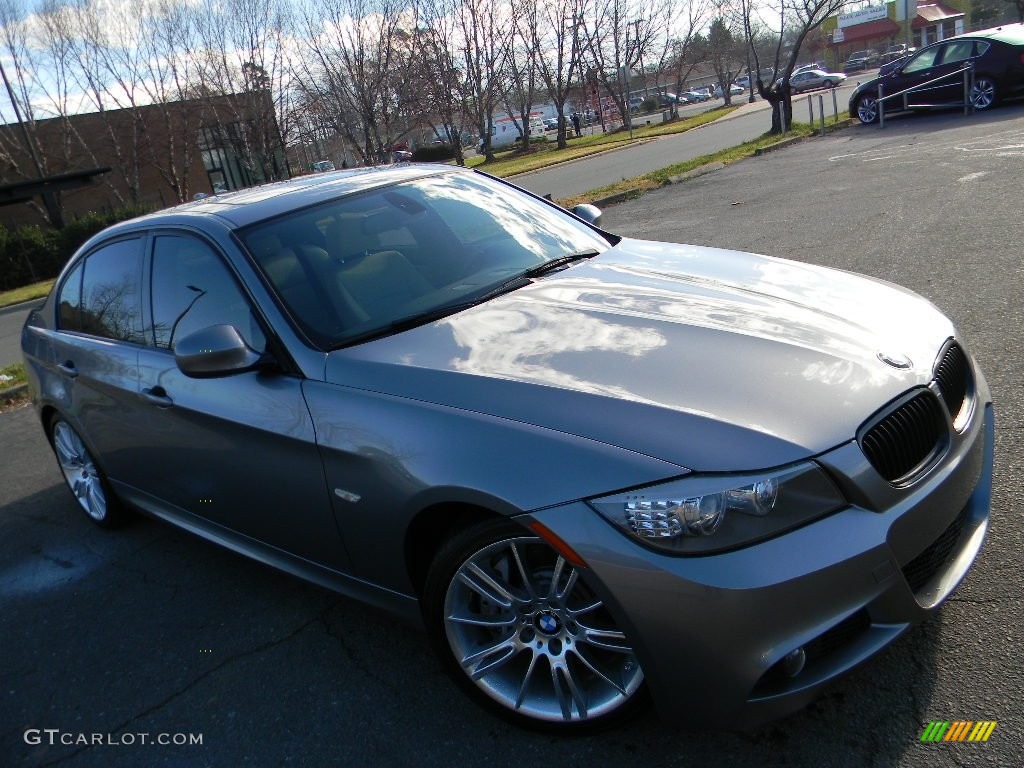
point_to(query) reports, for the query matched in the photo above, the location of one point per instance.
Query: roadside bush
(433, 153)
(649, 105)
(29, 254)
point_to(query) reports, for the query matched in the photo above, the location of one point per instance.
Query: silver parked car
(815, 78)
(597, 470)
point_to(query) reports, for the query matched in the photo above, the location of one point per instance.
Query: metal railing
(968, 74)
(810, 110)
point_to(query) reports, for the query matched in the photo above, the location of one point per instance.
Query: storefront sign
(864, 15)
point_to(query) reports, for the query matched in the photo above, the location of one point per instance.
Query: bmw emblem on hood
(895, 359)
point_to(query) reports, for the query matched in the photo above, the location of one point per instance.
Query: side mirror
(589, 213)
(218, 350)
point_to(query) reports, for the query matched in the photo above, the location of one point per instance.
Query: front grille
(905, 438)
(920, 570)
(952, 374)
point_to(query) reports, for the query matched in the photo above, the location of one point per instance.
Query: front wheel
(983, 93)
(519, 628)
(867, 108)
(827, 84)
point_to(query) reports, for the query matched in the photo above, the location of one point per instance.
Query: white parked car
(815, 78)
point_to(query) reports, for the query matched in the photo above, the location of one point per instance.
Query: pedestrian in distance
(576, 123)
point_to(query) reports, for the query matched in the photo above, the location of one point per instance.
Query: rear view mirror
(218, 350)
(589, 213)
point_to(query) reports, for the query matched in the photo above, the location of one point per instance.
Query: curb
(779, 145)
(694, 173)
(21, 305)
(11, 393)
(679, 178)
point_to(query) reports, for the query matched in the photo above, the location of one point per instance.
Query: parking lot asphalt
(151, 631)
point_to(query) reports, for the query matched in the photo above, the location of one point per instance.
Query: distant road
(748, 122)
(578, 176)
(11, 320)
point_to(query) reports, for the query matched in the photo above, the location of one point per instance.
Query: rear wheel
(519, 628)
(867, 108)
(983, 93)
(83, 476)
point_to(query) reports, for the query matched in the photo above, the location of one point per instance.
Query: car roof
(247, 206)
(1013, 34)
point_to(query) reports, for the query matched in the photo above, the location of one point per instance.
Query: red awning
(932, 14)
(879, 28)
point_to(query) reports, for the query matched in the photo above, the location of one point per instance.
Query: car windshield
(377, 262)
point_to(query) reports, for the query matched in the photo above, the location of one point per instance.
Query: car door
(916, 73)
(95, 348)
(955, 55)
(236, 450)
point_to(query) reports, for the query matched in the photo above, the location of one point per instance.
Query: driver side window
(924, 60)
(192, 289)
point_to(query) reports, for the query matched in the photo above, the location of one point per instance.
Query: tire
(827, 84)
(520, 630)
(983, 93)
(867, 108)
(83, 476)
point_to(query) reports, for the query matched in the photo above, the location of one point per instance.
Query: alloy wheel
(530, 634)
(867, 109)
(983, 93)
(80, 471)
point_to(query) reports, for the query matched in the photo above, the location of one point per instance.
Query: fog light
(793, 662)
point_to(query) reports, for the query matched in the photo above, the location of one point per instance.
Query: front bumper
(711, 632)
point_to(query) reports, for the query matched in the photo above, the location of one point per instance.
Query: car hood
(707, 358)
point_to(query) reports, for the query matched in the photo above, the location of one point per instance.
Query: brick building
(159, 154)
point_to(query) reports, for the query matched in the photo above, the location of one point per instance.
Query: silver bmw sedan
(599, 471)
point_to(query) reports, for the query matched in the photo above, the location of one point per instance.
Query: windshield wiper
(513, 283)
(560, 262)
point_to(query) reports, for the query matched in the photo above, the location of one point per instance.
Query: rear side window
(961, 50)
(192, 290)
(70, 301)
(111, 292)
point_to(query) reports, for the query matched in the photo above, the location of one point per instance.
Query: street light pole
(909, 19)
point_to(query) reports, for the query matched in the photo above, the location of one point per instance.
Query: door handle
(158, 396)
(68, 369)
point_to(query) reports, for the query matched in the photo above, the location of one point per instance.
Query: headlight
(702, 514)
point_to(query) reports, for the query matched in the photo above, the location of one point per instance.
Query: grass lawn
(10, 377)
(27, 293)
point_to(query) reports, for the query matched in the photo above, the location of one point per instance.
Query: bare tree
(239, 50)
(359, 51)
(21, 155)
(559, 51)
(483, 47)
(677, 54)
(618, 33)
(437, 85)
(796, 20)
(520, 70)
(724, 47)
